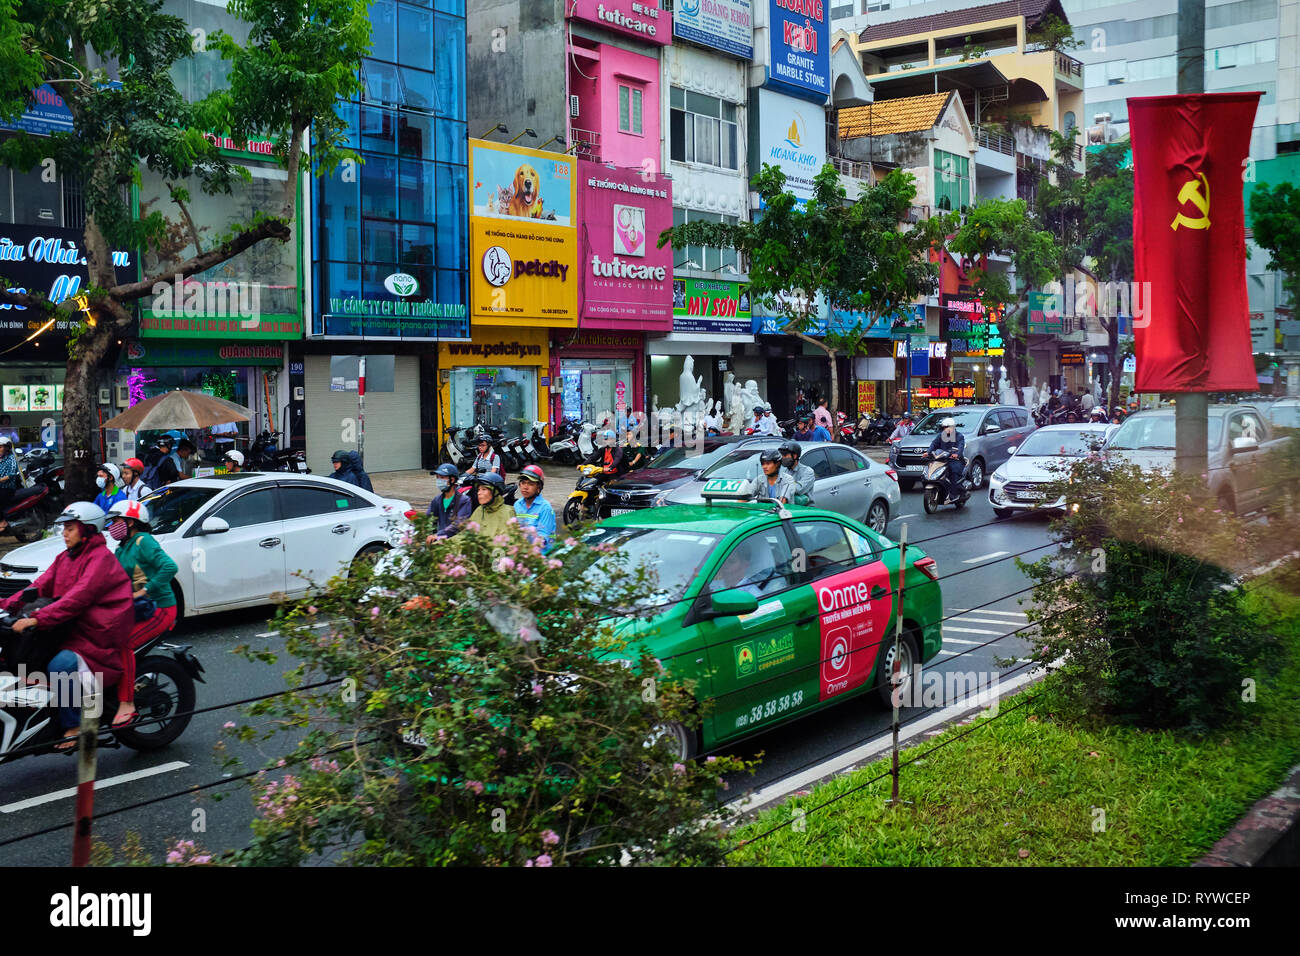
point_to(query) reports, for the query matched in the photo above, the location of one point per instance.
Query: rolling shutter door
(392, 418)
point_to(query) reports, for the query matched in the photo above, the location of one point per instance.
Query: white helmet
(6, 440)
(113, 470)
(236, 456)
(949, 422)
(85, 512)
(129, 509)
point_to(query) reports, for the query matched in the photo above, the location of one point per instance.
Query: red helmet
(533, 472)
(135, 464)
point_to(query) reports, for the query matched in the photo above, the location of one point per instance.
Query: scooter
(164, 691)
(502, 447)
(454, 451)
(564, 449)
(537, 443)
(584, 502)
(586, 446)
(846, 430)
(30, 511)
(267, 455)
(935, 483)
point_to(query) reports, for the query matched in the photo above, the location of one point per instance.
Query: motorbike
(29, 726)
(541, 450)
(583, 503)
(586, 445)
(457, 451)
(845, 430)
(935, 484)
(564, 447)
(28, 512)
(465, 488)
(879, 429)
(267, 455)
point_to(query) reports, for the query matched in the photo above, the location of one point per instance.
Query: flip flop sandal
(119, 724)
(67, 744)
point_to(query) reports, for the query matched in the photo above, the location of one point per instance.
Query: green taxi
(776, 612)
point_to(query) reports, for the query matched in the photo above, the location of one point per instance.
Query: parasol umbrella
(179, 409)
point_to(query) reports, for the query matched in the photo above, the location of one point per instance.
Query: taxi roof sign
(727, 489)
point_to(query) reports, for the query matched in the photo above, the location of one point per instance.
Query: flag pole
(1192, 412)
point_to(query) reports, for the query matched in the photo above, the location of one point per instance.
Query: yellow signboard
(866, 398)
(523, 238)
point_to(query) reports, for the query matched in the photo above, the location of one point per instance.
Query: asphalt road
(975, 564)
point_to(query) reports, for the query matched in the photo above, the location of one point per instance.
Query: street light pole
(1191, 416)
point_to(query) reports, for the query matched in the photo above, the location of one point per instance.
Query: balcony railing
(585, 143)
(1068, 65)
(996, 141)
(851, 168)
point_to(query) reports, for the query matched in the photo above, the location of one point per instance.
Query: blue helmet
(608, 434)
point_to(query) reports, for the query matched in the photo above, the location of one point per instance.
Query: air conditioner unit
(573, 105)
(1100, 118)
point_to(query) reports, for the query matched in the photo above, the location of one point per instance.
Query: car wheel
(976, 474)
(367, 557)
(681, 742)
(1003, 512)
(877, 516)
(909, 658)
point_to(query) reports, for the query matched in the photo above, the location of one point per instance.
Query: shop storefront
(974, 337)
(596, 374)
(499, 379)
(523, 289)
(712, 323)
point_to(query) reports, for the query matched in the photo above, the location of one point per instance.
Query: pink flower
(537, 689)
(174, 857)
(374, 612)
(554, 563)
(500, 539)
(311, 609)
(472, 526)
(679, 768)
(474, 785)
(711, 760)
(228, 725)
(550, 837)
(570, 542)
(544, 860)
(203, 858)
(505, 564)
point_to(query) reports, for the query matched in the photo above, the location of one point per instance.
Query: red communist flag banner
(1189, 242)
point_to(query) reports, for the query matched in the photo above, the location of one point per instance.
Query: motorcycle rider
(776, 483)
(950, 444)
(110, 493)
(449, 507)
(132, 481)
(491, 515)
(902, 429)
(347, 467)
(803, 430)
(533, 512)
(151, 571)
(91, 592)
(608, 455)
(234, 462)
(9, 478)
(765, 422)
(802, 475)
(487, 460)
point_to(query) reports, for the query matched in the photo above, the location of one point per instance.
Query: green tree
(1053, 33)
(1275, 218)
(301, 57)
(856, 256)
(1004, 227)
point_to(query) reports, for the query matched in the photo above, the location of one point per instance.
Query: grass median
(1028, 790)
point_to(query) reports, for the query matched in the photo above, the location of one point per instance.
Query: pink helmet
(533, 472)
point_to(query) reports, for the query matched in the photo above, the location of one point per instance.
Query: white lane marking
(972, 630)
(985, 557)
(966, 610)
(99, 785)
(873, 748)
(947, 653)
(983, 620)
(309, 627)
(956, 640)
(900, 517)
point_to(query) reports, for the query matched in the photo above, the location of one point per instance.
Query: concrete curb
(1268, 835)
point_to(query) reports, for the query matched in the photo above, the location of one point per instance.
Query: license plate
(620, 511)
(1031, 495)
(914, 468)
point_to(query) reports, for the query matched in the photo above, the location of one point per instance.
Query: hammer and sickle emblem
(1200, 198)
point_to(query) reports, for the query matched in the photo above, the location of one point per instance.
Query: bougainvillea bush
(492, 708)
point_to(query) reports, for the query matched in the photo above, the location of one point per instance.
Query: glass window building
(389, 243)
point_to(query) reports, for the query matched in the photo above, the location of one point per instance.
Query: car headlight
(998, 477)
(661, 499)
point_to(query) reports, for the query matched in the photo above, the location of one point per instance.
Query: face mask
(443, 484)
(101, 481)
(117, 531)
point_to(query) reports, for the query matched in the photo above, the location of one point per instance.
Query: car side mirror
(990, 429)
(729, 603)
(214, 526)
(1244, 443)
(1012, 449)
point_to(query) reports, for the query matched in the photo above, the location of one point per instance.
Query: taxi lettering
(833, 599)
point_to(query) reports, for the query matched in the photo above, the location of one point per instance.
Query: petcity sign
(791, 135)
(635, 18)
(723, 25)
(627, 279)
(523, 241)
(714, 306)
(799, 52)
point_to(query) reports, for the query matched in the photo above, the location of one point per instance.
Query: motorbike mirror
(214, 526)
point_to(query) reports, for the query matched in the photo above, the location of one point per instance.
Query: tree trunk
(80, 428)
(834, 398)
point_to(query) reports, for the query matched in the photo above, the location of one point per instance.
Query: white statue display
(1006, 394)
(736, 422)
(690, 389)
(728, 388)
(1096, 391)
(1044, 396)
(749, 397)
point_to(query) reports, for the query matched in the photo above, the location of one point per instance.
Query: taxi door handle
(268, 542)
(341, 529)
(805, 620)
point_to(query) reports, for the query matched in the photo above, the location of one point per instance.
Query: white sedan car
(237, 540)
(1043, 457)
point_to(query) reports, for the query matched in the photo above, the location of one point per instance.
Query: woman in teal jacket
(128, 525)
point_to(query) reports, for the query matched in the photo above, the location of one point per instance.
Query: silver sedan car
(848, 482)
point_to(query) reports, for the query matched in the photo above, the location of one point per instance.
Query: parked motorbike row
(39, 499)
(572, 444)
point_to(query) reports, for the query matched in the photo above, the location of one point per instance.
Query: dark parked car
(670, 469)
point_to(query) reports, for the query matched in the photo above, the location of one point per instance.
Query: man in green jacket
(491, 515)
